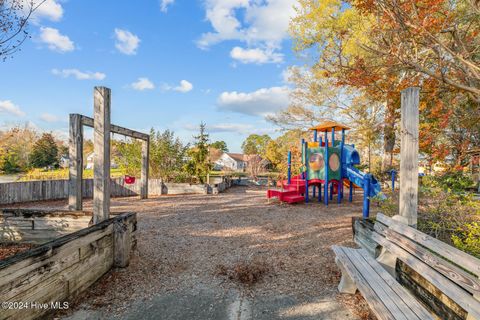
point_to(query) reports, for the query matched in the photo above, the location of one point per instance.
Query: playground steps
(289, 196)
(294, 199)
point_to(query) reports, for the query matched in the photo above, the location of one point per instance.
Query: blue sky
(170, 64)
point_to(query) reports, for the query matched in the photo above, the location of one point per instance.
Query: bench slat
(407, 298)
(378, 308)
(468, 262)
(383, 290)
(449, 270)
(457, 294)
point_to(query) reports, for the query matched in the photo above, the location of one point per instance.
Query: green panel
(334, 156)
(316, 163)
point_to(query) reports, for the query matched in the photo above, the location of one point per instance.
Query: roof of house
(328, 125)
(236, 156)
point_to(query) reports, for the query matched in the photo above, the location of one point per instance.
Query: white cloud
(184, 87)
(143, 84)
(50, 9)
(9, 107)
(164, 4)
(257, 55)
(251, 21)
(47, 117)
(241, 128)
(55, 40)
(79, 75)
(262, 102)
(126, 42)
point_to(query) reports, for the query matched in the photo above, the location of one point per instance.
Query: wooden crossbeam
(89, 122)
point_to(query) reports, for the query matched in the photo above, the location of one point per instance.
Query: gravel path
(232, 248)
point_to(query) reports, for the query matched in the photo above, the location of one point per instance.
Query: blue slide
(350, 158)
(358, 177)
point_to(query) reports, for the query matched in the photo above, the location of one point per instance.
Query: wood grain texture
(410, 98)
(454, 292)
(101, 150)
(145, 168)
(89, 122)
(442, 249)
(61, 269)
(75, 152)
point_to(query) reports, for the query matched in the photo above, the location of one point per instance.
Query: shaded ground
(10, 249)
(231, 256)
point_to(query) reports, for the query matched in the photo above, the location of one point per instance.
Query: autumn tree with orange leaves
(378, 48)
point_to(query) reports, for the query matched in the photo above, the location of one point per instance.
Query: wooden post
(75, 151)
(144, 174)
(122, 243)
(409, 156)
(101, 149)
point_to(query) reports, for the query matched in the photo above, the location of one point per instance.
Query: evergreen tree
(220, 145)
(44, 152)
(199, 163)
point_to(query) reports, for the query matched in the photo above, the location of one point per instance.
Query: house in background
(231, 161)
(89, 162)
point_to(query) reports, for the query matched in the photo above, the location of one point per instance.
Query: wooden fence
(18, 192)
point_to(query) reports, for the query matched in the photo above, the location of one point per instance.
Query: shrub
(468, 239)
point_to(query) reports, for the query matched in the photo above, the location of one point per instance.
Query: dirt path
(231, 256)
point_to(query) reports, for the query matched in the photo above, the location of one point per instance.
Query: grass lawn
(57, 174)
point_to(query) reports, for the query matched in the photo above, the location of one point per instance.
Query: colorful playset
(327, 163)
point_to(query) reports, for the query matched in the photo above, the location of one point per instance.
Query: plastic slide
(358, 177)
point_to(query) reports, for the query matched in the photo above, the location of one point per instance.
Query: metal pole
(393, 172)
(340, 184)
(366, 193)
(325, 196)
(304, 160)
(350, 195)
(306, 172)
(289, 167)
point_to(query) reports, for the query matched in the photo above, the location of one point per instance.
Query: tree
(15, 147)
(44, 152)
(220, 145)
(380, 47)
(128, 156)
(199, 164)
(434, 39)
(14, 19)
(256, 144)
(273, 154)
(167, 155)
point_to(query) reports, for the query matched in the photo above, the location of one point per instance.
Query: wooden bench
(450, 271)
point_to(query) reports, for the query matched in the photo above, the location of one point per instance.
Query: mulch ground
(233, 240)
(10, 249)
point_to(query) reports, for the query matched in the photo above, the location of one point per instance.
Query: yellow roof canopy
(327, 126)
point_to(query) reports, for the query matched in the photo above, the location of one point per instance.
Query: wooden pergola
(101, 140)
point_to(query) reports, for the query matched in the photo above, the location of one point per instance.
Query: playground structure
(102, 129)
(327, 163)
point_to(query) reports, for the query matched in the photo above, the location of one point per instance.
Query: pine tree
(44, 152)
(199, 163)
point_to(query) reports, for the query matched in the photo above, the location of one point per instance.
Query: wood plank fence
(18, 192)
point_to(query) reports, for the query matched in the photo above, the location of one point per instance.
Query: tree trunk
(389, 136)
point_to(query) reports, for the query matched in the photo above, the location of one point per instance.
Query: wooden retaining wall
(38, 227)
(61, 269)
(18, 192)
